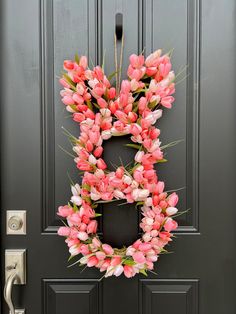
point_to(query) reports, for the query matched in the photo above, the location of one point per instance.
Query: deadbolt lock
(16, 222)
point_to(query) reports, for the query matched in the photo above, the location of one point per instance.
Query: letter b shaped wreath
(103, 111)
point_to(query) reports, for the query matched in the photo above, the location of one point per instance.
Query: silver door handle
(8, 291)
(15, 273)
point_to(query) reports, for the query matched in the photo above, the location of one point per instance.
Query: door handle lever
(8, 291)
(15, 273)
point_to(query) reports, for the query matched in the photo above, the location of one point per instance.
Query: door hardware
(119, 26)
(15, 273)
(16, 222)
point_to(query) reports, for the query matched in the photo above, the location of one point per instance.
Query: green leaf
(75, 208)
(134, 146)
(135, 106)
(96, 105)
(86, 187)
(73, 107)
(64, 223)
(98, 215)
(90, 106)
(153, 272)
(135, 167)
(69, 81)
(103, 60)
(65, 151)
(69, 134)
(171, 144)
(112, 75)
(139, 203)
(77, 58)
(152, 105)
(87, 199)
(129, 262)
(143, 271)
(161, 161)
(70, 179)
(101, 202)
(181, 213)
(71, 257)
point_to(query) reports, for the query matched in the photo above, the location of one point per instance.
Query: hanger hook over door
(119, 25)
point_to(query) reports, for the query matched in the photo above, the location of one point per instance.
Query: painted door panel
(36, 37)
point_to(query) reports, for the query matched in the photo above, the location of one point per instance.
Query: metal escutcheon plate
(16, 260)
(16, 222)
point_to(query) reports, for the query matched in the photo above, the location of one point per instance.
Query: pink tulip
(147, 237)
(83, 62)
(68, 65)
(105, 264)
(136, 61)
(116, 260)
(128, 271)
(118, 194)
(84, 249)
(130, 251)
(83, 236)
(164, 69)
(102, 103)
(145, 247)
(78, 117)
(132, 116)
(64, 83)
(107, 249)
(157, 154)
(139, 257)
(89, 114)
(74, 250)
(170, 225)
(96, 243)
(92, 261)
(84, 165)
(167, 101)
(138, 176)
(125, 86)
(173, 199)
(98, 151)
(78, 98)
(92, 227)
(119, 172)
(100, 255)
(65, 211)
(64, 231)
(152, 59)
(151, 71)
(140, 194)
(101, 164)
(111, 93)
(153, 116)
(118, 270)
(142, 104)
(77, 200)
(136, 74)
(160, 187)
(135, 129)
(139, 155)
(171, 211)
(68, 100)
(89, 146)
